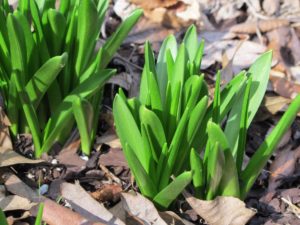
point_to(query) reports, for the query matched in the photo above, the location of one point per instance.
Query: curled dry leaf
(88, 207)
(221, 211)
(143, 209)
(108, 193)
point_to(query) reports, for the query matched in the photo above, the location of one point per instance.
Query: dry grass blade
(221, 211)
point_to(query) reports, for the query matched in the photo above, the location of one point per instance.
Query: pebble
(43, 189)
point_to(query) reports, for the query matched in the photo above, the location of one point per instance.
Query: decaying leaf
(114, 157)
(154, 3)
(16, 186)
(274, 104)
(88, 207)
(173, 219)
(15, 202)
(283, 166)
(55, 214)
(8, 157)
(221, 211)
(262, 25)
(108, 193)
(284, 87)
(140, 207)
(69, 157)
(110, 139)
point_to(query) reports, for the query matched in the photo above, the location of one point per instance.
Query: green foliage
(171, 134)
(39, 216)
(3, 220)
(48, 60)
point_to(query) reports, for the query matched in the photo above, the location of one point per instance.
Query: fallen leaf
(8, 157)
(16, 186)
(108, 193)
(274, 104)
(284, 87)
(271, 6)
(15, 202)
(13, 220)
(154, 3)
(262, 25)
(140, 207)
(111, 140)
(172, 218)
(68, 156)
(119, 211)
(114, 157)
(55, 214)
(283, 166)
(221, 211)
(84, 204)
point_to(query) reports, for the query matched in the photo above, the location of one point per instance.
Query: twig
(110, 174)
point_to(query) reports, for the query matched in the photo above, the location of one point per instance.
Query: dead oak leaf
(141, 208)
(222, 210)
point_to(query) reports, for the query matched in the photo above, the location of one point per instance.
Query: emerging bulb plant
(165, 129)
(50, 69)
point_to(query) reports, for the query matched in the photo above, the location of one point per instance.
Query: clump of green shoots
(50, 68)
(171, 133)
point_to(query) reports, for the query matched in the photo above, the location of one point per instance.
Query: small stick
(110, 174)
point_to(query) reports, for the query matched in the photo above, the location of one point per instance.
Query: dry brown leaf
(140, 207)
(16, 186)
(13, 220)
(283, 166)
(84, 204)
(262, 25)
(271, 6)
(114, 157)
(55, 214)
(8, 157)
(284, 87)
(15, 202)
(108, 193)
(274, 104)
(221, 211)
(110, 139)
(172, 218)
(227, 64)
(68, 156)
(148, 5)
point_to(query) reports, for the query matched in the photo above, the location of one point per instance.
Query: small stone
(43, 189)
